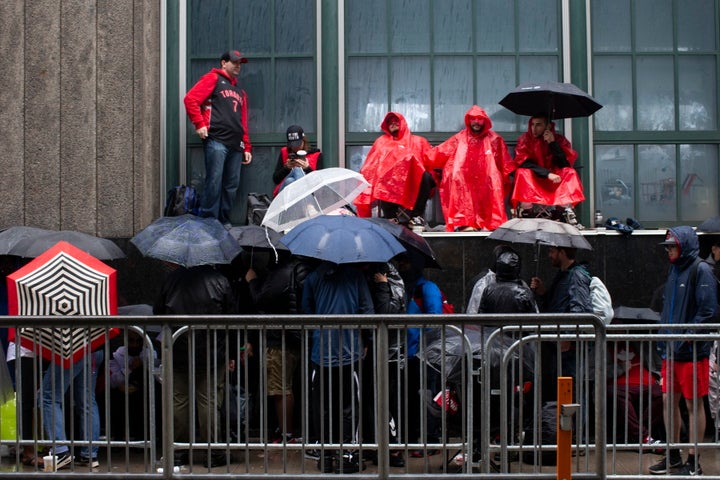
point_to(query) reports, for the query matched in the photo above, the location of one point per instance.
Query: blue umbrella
(187, 240)
(342, 239)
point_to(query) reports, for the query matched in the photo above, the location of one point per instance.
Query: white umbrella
(317, 193)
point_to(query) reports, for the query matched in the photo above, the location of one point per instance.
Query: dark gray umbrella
(540, 231)
(409, 239)
(255, 236)
(187, 240)
(711, 225)
(11, 236)
(558, 100)
(34, 246)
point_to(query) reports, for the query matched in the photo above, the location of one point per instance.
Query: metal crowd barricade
(470, 403)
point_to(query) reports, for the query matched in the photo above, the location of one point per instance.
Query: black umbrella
(409, 239)
(255, 236)
(558, 100)
(34, 245)
(711, 225)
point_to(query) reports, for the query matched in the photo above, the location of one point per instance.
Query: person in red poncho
(395, 168)
(475, 178)
(545, 175)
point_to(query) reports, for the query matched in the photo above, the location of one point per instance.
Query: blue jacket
(683, 305)
(336, 289)
(432, 303)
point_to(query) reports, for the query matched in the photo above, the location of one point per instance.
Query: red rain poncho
(394, 167)
(475, 177)
(534, 189)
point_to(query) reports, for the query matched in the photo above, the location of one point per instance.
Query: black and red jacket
(218, 103)
(314, 158)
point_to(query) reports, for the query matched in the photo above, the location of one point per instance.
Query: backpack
(601, 300)
(257, 205)
(181, 200)
(447, 307)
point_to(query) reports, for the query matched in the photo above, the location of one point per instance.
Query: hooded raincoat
(475, 178)
(394, 167)
(686, 299)
(535, 160)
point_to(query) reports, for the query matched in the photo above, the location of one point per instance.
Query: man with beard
(395, 167)
(545, 175)
(476, 175)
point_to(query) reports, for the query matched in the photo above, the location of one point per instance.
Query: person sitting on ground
(545, 175)
(296, 159)
(395, 168)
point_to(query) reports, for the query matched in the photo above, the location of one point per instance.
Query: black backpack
(181, 200)
(257, 205)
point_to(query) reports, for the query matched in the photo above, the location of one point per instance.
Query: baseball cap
(234, 56)
(670, 239)
(295, 135)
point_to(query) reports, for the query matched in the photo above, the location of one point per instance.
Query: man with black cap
(217, 107)
(690, 296)
(296, 159)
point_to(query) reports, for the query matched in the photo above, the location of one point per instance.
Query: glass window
(699, 174)
(494, 75)
(614, 16)
(697, 82)
(294, 93)
(367, 98)
(696, 25)
(495, 30)
(656, 98)
(294, 28)
(538, 25)
(366, 26)
(410, 91)
(613, 84)
(453, 23)
(658, 182)
(615, 176)
(453, 93)
(654, 35)
(410, 31)
(253, 30)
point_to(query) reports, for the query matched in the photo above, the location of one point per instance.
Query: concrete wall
(80, 147)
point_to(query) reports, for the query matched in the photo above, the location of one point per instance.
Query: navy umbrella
(558, 100)
(342, 239)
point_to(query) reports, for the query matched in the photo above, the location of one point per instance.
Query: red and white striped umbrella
(64, 280)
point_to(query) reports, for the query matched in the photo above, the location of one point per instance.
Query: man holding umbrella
(544, 174)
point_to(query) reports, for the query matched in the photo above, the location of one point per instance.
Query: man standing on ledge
(217, 106)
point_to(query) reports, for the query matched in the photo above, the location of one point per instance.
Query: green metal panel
(329, 77)
(579, 76)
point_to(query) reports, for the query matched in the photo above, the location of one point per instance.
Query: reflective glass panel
(697, 88)
(453, 92)
(699, 174)
(495, 78)
(696, 21)
(653, 25)
(255, 79)
(657, 181)
(295, 26)
(253, 29)
(294, 93)
(452, 22)
(655, 93)
(367, 93)
(495, 26)
(615, 181)
(410, 91)
(538, 25)
(613, 90)
(206, 17)
(410, 29)
(611, 26)
(366, 26)
(356, 155)
(539, 69)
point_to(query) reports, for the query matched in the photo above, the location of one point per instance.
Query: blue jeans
(56, 381)
(295, 174)
(222, 179)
